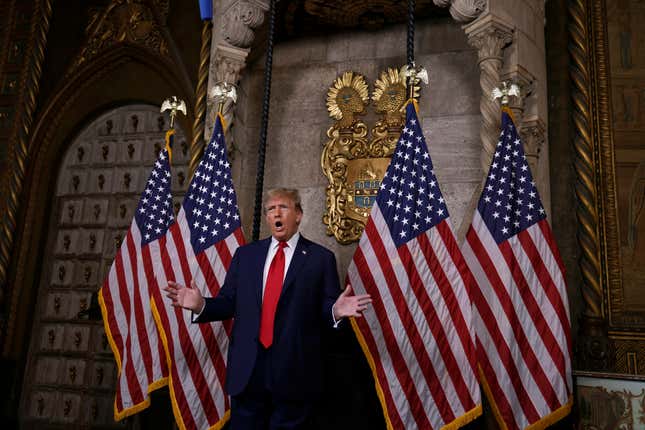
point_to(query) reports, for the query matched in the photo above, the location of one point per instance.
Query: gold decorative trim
(347, 98)
(584, 161)
(608, 205)
(390, 94)
(610, 337)
(30, 86)
(197, 145)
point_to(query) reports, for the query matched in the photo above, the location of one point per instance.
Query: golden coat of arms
(354, 160)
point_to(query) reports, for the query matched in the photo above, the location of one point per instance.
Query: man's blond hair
(290, 193)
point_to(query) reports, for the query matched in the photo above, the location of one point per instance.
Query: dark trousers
(257, 408)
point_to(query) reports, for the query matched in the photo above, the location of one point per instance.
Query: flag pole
(197, 144)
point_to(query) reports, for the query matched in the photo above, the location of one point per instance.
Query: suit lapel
(258, 267)
(297, 262)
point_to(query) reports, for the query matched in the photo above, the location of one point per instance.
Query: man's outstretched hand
(187, 298)
(348, 305)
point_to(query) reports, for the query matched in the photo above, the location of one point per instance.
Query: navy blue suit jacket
(304, 309)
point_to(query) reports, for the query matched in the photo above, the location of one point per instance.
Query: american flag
(520, 298)
(124, 297)
(199, 246)
(418, 339)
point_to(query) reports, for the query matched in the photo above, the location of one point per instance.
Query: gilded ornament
(353, 160)
(389, 95)
(347, 98)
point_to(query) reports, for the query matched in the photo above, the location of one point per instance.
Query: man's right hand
(188, 298)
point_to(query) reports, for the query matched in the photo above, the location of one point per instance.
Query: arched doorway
(70, 372)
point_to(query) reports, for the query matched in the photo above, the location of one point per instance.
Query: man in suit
(282, 291)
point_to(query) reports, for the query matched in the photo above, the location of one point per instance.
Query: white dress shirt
(288, 255)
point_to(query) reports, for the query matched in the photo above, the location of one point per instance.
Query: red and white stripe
(522, 321)
(130, 325)
(196, 352)
(418, 338)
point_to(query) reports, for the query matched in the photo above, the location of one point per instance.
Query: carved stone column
(230, 61)
(489, 35)
(233, 34)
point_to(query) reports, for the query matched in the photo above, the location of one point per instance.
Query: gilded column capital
(240, 18)
(463, 10)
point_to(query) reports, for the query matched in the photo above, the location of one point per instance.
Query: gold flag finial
(507, 89)
(173, 104)
(221, 92)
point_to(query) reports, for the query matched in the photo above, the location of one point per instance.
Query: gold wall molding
(585, 187)
(18, 143)
(611, 337)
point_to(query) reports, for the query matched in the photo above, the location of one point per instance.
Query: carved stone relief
(124, 21)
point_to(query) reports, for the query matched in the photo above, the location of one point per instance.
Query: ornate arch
(90, 91)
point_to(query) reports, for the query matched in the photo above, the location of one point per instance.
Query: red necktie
(272, 291)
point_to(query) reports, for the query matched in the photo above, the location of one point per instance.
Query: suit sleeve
(222, 306)
(331, 289)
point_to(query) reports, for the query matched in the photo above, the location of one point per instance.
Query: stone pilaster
(533, 134)
(230, 62)
(521, 106)
(489, 35)
(233, 34)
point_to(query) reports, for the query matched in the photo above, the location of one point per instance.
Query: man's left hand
(348, 305)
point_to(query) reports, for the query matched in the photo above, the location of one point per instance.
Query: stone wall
(304, 69)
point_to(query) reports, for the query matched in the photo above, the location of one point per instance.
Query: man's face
(282, 217)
